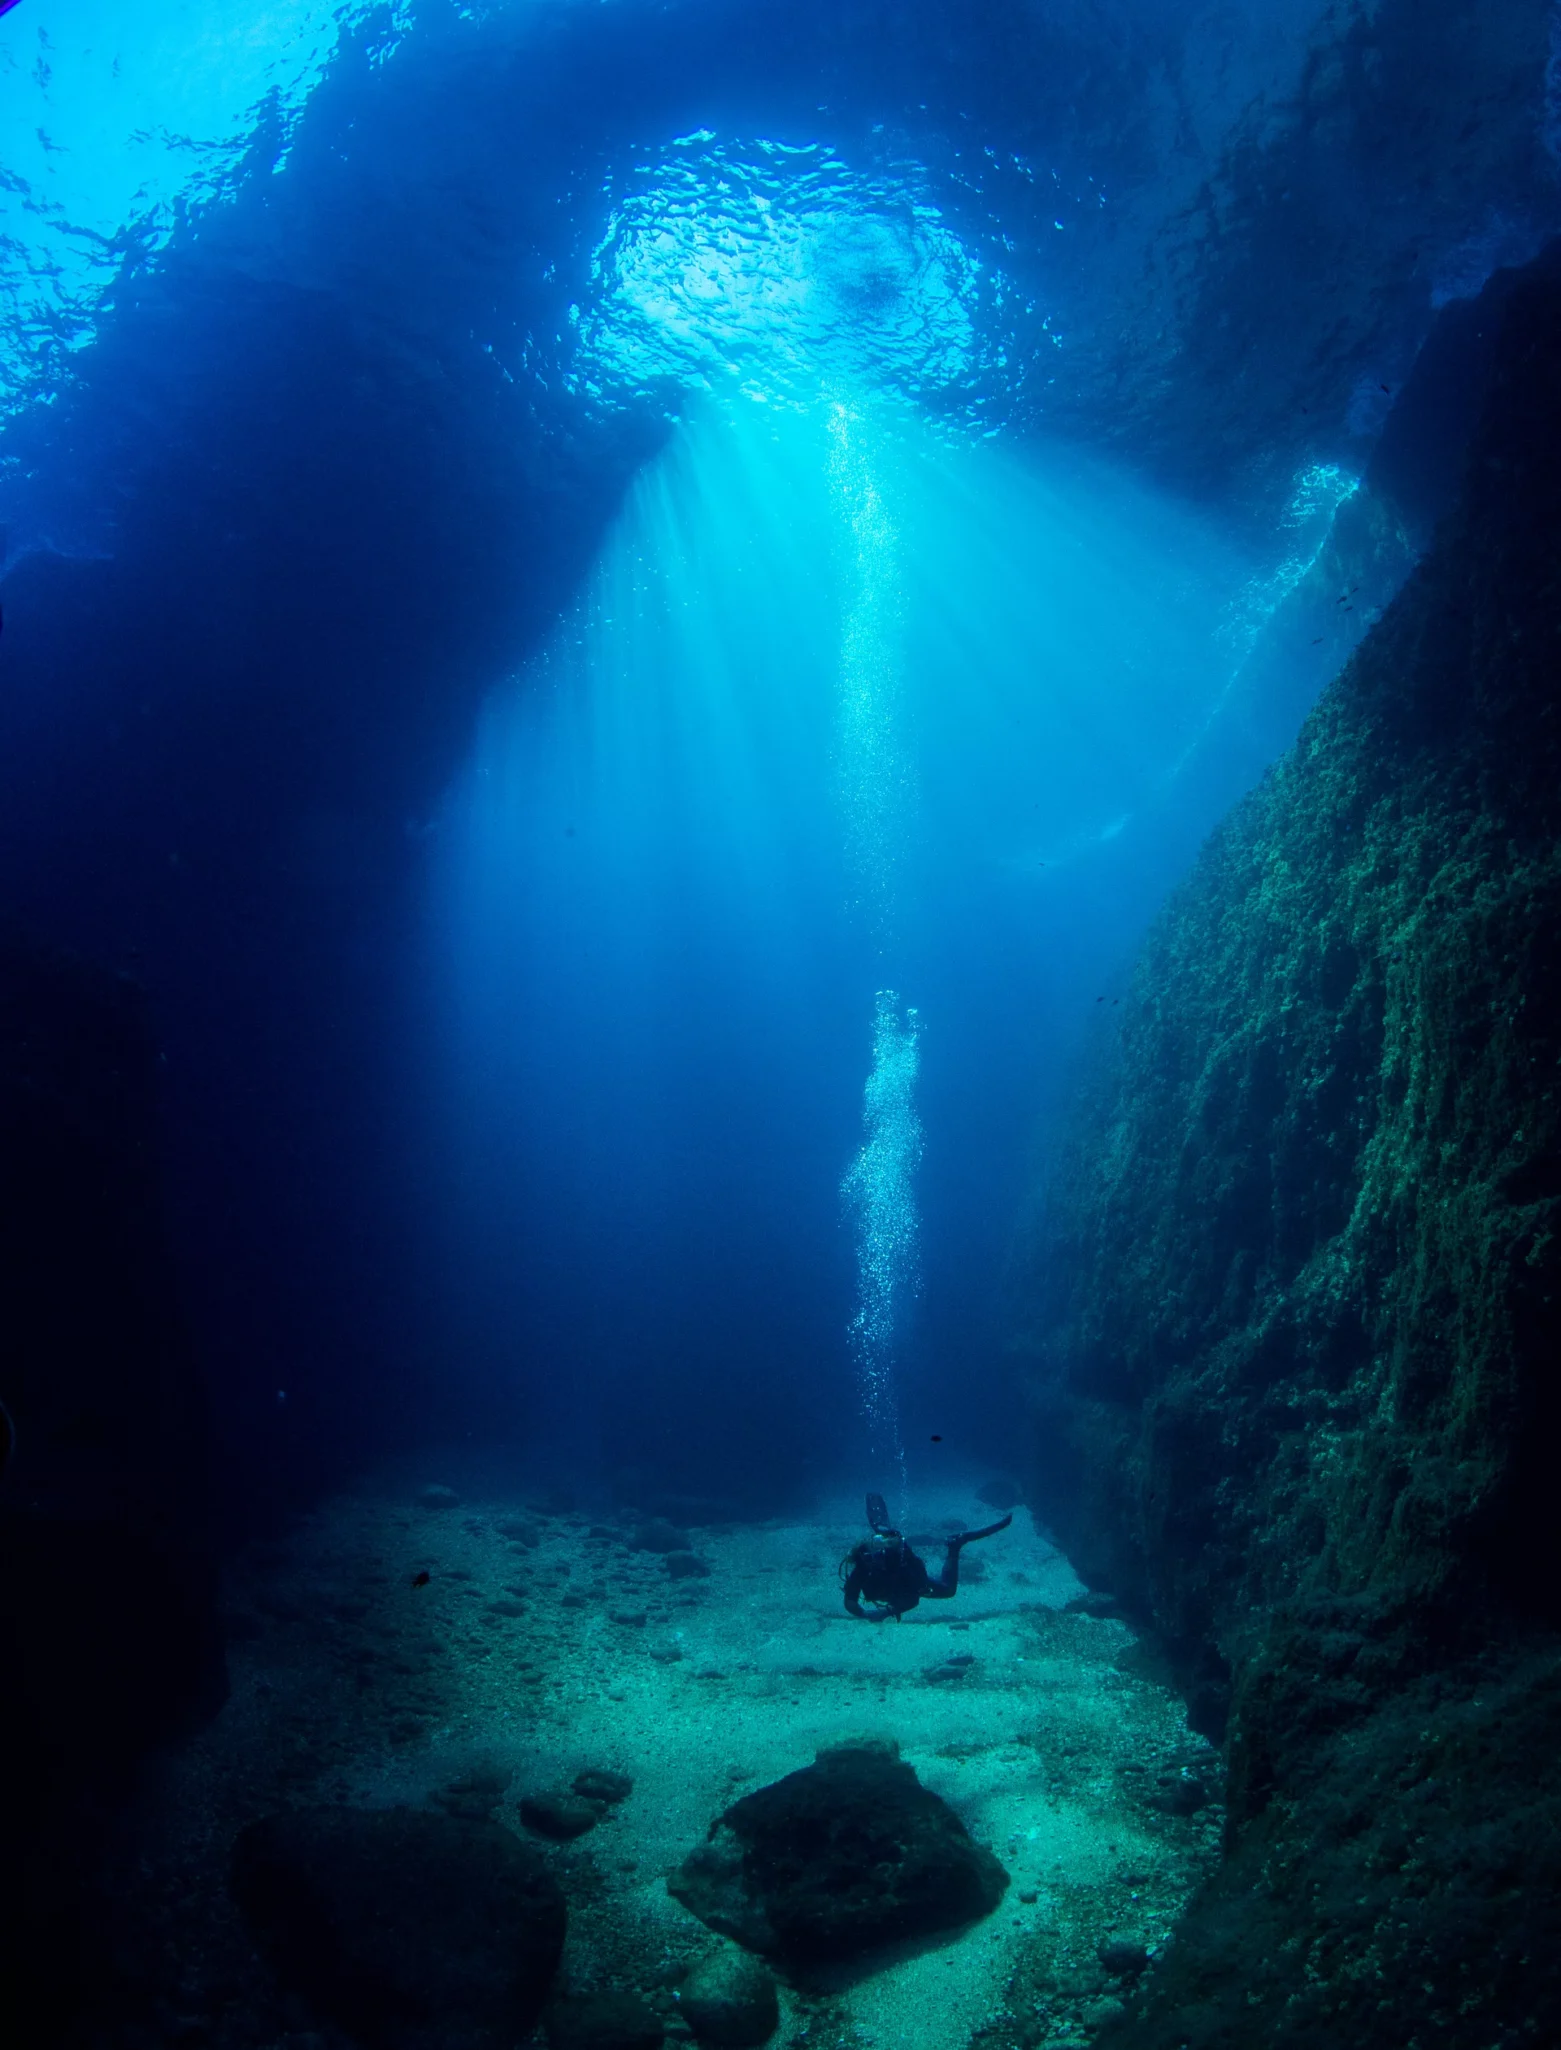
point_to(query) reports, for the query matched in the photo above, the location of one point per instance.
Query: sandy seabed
(544, 1643)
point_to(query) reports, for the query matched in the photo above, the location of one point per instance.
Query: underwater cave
(754, 757)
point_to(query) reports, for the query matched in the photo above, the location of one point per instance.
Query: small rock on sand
(1122, 1958)
(729, 2001)
(686, 1566)
(559, 1816)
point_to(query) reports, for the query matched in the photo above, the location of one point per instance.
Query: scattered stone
(603, 2021)
(668, 1654)
(474, 1795)
(1184, 1794)
(660, 1536)
(1029, 1898)
(1099, 2012)
(410, 1931)
(559, 1816)
(849, 1853)
(954, 1667)
(630, 1619)
(602, 1783)
(1122, 1958)
(519, 1531)
(729, 2001)
(1093, 1602)
(437, 1496)
(506, 1608)
(573, 1601)
(686, 1566)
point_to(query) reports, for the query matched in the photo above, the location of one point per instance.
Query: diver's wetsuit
(885, 1570)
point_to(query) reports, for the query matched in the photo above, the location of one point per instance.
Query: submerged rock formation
(109, 1638)
(1295, 1312)
(411, 1931)
(847, 1854)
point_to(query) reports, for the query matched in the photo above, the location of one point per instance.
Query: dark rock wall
(109, 1642)
(1293, 1310)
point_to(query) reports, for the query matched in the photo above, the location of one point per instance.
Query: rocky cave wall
(109, 1635)
(1292, 1309)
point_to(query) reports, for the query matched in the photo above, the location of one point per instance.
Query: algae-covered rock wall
(1292, 1312)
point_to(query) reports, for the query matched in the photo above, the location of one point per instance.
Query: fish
(422, 1579)
(937, 1437)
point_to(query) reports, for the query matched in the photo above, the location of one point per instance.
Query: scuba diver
(891, 1576)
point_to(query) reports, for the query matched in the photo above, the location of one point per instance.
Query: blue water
(624, 613)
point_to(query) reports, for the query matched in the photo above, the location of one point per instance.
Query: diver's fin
(878, 1513)
(968, 1536)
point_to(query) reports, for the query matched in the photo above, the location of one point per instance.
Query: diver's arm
(853, 1594)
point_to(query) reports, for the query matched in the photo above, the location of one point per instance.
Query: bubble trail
(876, 779)
(879, 1187)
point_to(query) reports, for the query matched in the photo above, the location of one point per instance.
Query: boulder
(657, 1535)
(603, 2021)
(686, 1566)
(475, 1794)
(411, 1931)
(602, 1783)
(559, 1815)
(729, 2001)
(849, 1853)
